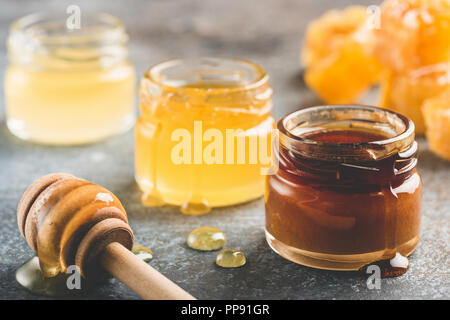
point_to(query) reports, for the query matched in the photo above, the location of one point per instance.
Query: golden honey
(204, 133)
(68, 86)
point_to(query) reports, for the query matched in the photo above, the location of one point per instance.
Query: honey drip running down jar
(69, 86)
(204, 133)
(347, 192)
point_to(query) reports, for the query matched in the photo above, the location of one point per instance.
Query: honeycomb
(405, 92)
(413, 33)
(436, 112)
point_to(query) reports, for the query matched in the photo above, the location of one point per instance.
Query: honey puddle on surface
(30, 277)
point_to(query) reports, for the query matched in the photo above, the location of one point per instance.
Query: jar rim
(114, 28)
(371, 150)
(42, 41)
(153, 74)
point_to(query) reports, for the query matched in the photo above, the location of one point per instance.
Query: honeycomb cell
(406, 92)
(336, 54)
(436, 112)
(413, 33)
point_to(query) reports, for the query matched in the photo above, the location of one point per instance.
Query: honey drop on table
(142, 252)
(390, 268)
(206, 239)
(230, 258)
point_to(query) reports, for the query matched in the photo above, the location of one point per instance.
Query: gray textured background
(269, 33)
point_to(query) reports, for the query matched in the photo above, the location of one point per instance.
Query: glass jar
(68, 86)
(200, 119)
(347, 191)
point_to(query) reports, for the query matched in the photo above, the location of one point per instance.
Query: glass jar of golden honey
(204, 133)
(347, 192)
(68, 86)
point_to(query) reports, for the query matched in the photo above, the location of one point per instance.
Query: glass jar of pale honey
(69, 86)
(347, 192)
(204, 133)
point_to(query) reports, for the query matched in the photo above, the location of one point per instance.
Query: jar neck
(389, 159)
(215, 88)
(43, 42)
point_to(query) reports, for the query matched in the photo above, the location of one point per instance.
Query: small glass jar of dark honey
(346, 192)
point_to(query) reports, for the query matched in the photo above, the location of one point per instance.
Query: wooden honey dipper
(70, 221)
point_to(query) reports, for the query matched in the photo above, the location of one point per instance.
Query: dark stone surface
(270, 33)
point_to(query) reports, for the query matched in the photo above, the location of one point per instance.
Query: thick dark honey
(343, 213)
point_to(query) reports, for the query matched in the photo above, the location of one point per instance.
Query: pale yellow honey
(60, 107)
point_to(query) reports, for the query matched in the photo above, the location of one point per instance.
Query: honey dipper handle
(140, 277)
